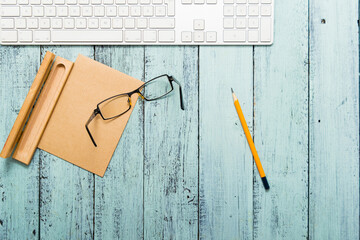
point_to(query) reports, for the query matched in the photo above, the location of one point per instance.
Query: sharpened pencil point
(232, 91)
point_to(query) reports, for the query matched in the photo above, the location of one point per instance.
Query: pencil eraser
(265, 182)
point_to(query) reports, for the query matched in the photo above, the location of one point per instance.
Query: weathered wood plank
(281, 126)
(171, 148)
(19, 184)
(225, 158)
(66, 191)
(334, 120)
(119, 195)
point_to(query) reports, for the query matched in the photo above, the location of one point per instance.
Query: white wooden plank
(19, 184)
(171, 148)
(334, 120)
(66, 191)
(119, 194)
(226, 198)
(281, 126)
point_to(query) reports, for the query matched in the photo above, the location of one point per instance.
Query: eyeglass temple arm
(96, 111)
(181, 96)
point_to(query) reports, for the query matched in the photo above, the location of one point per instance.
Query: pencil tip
(232, 91)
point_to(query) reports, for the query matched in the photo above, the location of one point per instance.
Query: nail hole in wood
(319, 120)
(323, 21)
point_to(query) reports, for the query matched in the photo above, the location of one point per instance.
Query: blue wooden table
(189, 175)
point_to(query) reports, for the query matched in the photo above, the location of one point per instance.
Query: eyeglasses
(120, 104)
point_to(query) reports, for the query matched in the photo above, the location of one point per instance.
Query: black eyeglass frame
(129, 94)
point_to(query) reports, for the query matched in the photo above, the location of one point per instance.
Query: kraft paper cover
(65, 135)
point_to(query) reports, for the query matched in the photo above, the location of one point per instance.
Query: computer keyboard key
(199, 1)
(265, 1)
(99, 11)
(148, 11)
(123, 11)
(96, 2)
(80, 23)
(20, 23)
(234, 36)
(253, 1)
(105, 23)
(161, 23)
(132, 2)
(253, 10)
(26, 11)
(93, 23)
(253, 22)
(74, 11)
(228, 1)
(44, 23)
(69, 23)
(35, 2)
(8, 2)
(150, 36)
(253, 36)
(199, 24)
(160, 11)
(9, 36)
(240, 22)
(42, 36)
(56, 23)
(228, 23)
(145, 1)
(10, 11)
(25, 36)
(141, 23)
(84, 2)
(186, 36)
(170, 7)
(50, 11)
(118, 2)
(133, 36)
(32, 23)
(199, 36)
(241, 10)
(47, 2)
(62, 11)
(108, 2)
(7, 23)
(23, 2)
(129, 23)
(111, 11)
(38, 11)
(87, 11)
(59, 2)
(86, 36)
(228, 10)
(117, 23)
(135, 11)
(266, 10)
(166, 36)
(265, 32)
(186, 1)
(211, 36)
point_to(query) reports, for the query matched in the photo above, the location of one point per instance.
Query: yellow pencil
(250, 141)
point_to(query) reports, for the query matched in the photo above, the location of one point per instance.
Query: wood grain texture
(66, 191)
(281, 126)
(171, 148)
(334, 120)
(19, 184)
(119, 194)
(225, 158)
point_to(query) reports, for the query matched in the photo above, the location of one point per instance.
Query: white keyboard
(137, 22)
